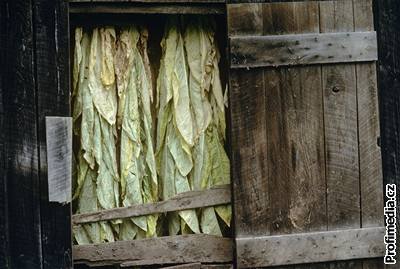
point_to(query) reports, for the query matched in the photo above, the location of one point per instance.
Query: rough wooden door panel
(249, 157)
(321, 126)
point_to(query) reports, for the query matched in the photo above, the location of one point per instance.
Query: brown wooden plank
(188, 200)
(305, 49)
(249, 137)
(339, 83)
(310, 247)
(295, 140)
(368, 124)
(371, 178)
(138, 8)
(245, 19)
(341, 135)
(152, 251)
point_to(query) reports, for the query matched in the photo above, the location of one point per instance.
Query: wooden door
(305, 134)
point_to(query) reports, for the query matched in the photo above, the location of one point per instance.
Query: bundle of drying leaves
(123, 157)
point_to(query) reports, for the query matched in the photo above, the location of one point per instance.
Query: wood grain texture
(187, 200)
(305, 49)
(140, 8)
(249, 126)
(340, 112)
(59, 158)
(51, 30)
(310, 247)
(371, 178)
(388, 28)
(21, 147)
(152, 251)
(341, 134)
(4, 232)
(295, 141)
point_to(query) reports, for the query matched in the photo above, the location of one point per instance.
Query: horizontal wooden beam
(310, 247)
(302, 49)
(195, 248)
(146, 8)
(218, 195)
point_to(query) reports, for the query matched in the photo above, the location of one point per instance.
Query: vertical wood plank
(295, 135)
(52, 78)
(21, 139)
(294, 130)
(4, 251)
(371, 179)
(249, 141)
(368, 124)
(388, 28)
(341, 135)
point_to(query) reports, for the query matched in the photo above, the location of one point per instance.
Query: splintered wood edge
(194, 248)
(314, 247)
(218, 195)
(303, 49)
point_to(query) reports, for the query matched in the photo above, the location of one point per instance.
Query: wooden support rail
(302, 49)
(195, 248)
(314, 247)
(218, 195)
(146, 8)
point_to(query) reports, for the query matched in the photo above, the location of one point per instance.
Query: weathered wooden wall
(34, 84)
(305, 151)
(388, 26)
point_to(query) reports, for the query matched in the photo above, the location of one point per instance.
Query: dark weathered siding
(34, 83)
(388, 23)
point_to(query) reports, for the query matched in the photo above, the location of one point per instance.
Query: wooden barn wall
(34, 84)
(3, 195)
(305, 139)
(388, 26)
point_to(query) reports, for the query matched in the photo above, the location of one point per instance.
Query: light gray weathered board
(59, 158)
(195, 248)
(310, 247)
(218, 195)
(302, 49)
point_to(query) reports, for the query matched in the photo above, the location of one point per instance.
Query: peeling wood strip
(197, 248)
(138, 8)
(314, 247)
(59, 158)
(194, 199)
(304, 49)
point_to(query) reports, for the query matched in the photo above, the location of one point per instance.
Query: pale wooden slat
(188, 200)
(310, 247)
(138, 8)
(59, 158)
(199, 248)
(304, 49)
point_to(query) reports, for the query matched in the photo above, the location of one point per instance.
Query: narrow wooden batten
(303, 49)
